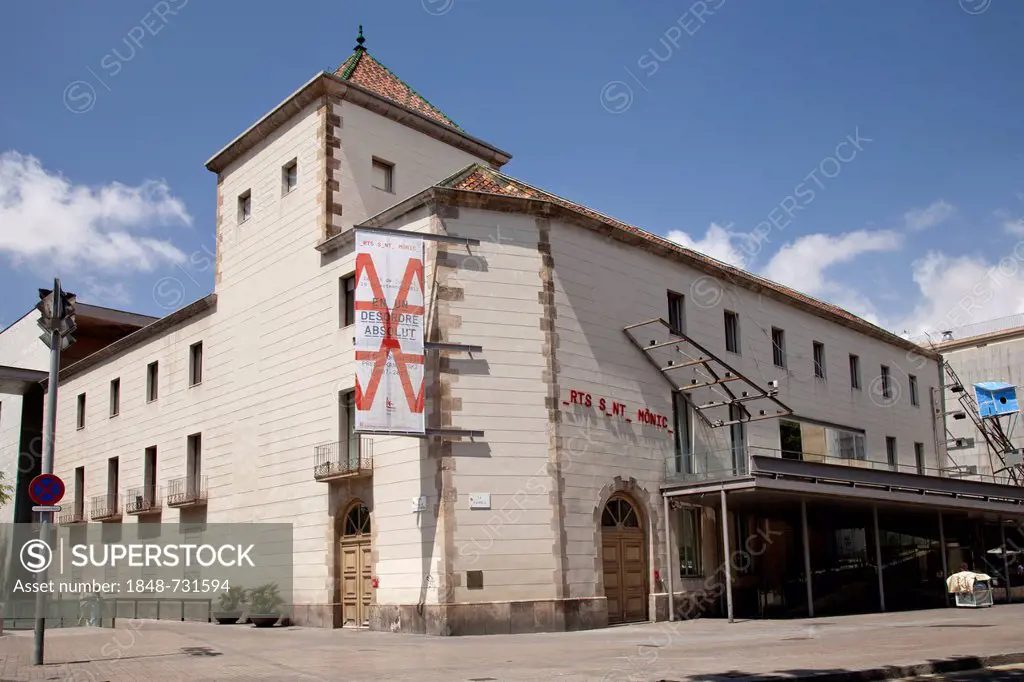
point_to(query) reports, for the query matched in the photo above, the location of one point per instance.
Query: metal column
(807, 558)
(942, 550)
(668, 561)
(878, 557)
(1006, 562)
(49, 436)
(728, 558)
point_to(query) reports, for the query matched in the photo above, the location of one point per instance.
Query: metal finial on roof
(360, 40)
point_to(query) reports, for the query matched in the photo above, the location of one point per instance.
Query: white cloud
(108, 294)
(803, 263)
(46, 219)
(1014, 227)
(716, 243)
(962, 290)
(919, 219)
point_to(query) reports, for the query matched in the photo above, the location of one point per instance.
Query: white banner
(389, 305)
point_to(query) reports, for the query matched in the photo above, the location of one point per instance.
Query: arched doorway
(355, 559)
(624, 561)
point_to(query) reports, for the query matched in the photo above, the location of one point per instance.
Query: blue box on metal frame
(996, 398)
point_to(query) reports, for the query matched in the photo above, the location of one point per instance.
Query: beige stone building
(621, 392)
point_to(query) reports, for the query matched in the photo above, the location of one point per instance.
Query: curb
(892, 672)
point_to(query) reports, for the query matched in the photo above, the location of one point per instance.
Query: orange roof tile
(365, 71)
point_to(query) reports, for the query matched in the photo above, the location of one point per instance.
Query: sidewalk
(702, 650)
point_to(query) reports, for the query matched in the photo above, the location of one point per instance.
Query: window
(790, 439)
(689, 543)
(855, 371)
(149, 475)
(81, 410)
(919, 457)
(913, 390)
(732, 332)
(347, 289)
(890, 450)
(195, 364)
(819, 360)
(886, 386)
(115, 397)
(152, 380)
(113, 474)
(194, 465)
(738, 439)
(383, 175)
(677, 312)
(347, 427)
(681, 419)
(289, 176)
(244, 206)
(779, 347)
(79, 492)
(847, 444)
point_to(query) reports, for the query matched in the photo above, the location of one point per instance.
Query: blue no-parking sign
(46, 489)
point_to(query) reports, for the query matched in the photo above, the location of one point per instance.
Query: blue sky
(707, 122)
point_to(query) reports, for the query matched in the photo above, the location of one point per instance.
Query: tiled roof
(365, 71)
(479, 178)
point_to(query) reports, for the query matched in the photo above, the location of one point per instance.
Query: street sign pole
(49, 434)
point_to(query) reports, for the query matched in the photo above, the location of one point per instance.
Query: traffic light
(57, 314)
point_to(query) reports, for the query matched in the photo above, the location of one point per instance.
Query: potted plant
(231, 605)
(264, 605)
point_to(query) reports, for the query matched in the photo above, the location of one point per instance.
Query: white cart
(971, 590)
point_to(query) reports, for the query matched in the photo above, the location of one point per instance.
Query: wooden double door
(624, 562)
(355, 559)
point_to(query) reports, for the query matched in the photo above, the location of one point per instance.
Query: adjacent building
(599, 401)
(983, 352)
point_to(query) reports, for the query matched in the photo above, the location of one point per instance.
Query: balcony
(332, 461)
(725, 464)
(187, 491)
(71, 517)
(144, 500)
(105, 508)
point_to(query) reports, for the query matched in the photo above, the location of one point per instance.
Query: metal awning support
(455, 433)
(669, 561)
(426, 236)
(728, 555)
(452, 347)
(807, 557)
(942, 550)
(436, 433)
(1006, 562)
(878, 557)
(690, 369)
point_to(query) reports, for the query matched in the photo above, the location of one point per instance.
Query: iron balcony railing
(75, 516)
(721, 464)
(187, 491)
(104, 507)
(345, 458)
(143, 500)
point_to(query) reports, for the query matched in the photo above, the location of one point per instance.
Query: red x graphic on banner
(389, 345)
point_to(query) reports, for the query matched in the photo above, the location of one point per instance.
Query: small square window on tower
(244, 206)
(383, 175)
(289, 176)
